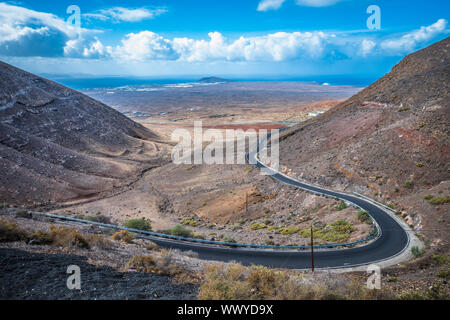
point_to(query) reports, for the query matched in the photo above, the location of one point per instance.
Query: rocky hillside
(390, 141)
(57, 144)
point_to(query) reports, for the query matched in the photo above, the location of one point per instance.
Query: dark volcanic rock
(33, 276)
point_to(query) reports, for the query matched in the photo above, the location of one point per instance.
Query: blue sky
(245, 38)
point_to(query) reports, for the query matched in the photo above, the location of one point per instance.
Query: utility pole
(246, 204)
(312, 249)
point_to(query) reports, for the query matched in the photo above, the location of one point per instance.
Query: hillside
(57, 144)
(390, 141)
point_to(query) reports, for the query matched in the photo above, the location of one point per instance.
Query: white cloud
(119, 14)
(266, 5)
(317, 3)
(411, 40)
(367, 46)
(25, 32)
(80, 48)
(145, 45)
(280, 46)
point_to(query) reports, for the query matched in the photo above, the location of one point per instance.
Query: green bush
(363, 216)
(257, 226)
(445, 274)
(341, 206)
(440, 200)
(179, 231)
(229, 239)
(338, 231)
(416, 252)
(289, 230)
(428, 197)
(138, 224)
(440, 260)
(190, 222)
(408, 184)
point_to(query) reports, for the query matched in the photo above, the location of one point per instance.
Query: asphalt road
(392, 241)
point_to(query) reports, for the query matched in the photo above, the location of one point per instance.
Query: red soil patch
(257, 126)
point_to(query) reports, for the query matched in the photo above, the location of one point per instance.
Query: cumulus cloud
(25, 32)
(266, 5)
(278, 46)
(89, 49)
(367, 46)
(119, 14)
(411, 40)
(145, 45)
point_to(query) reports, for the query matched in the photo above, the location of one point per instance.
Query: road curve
(392, 241)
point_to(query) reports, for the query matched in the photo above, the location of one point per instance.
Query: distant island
(212, 80)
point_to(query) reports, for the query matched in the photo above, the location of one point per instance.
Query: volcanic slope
(390, 141)
(59, 145)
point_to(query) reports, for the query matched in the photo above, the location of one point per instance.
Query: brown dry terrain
(389, 142)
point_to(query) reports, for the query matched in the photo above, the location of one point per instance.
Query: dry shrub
(10, 231)
(163, 264)
(235, 282)
(69, 238)
(225, 283)
(124, 236)
(151, 246)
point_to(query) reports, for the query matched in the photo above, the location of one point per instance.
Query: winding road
(392, 241)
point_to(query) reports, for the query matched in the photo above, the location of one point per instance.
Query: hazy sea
(86, 83)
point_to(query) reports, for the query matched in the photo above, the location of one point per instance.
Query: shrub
(440, 200)
(416, 252)
(123, 235)
(445, 274)
(419, 164)
(440, 260)
(225, 283)
(338, 231)
(163, 265)
(408, 184)
(428, 197)
(289, 230)
(257, 226)
(41, 237)
(435, 292)
(66, 237)
(190, 222)
(364, 216)
(342, 205)
(235, 282)
(179, 231)
(229, 239)
(392, 279)
(10, 232)
(151, 246)
(138, 224)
